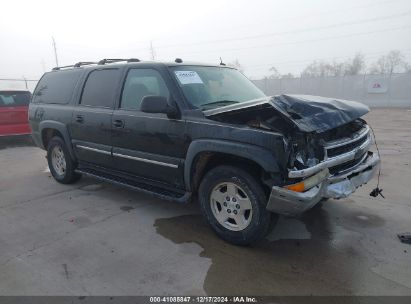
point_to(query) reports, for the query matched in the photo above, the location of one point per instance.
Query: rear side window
(14, 98)
(100, 87)
(56, 87)
(140, 83)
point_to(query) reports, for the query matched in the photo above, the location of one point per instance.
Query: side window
(100, 88)
(56, 87)
(140, 83)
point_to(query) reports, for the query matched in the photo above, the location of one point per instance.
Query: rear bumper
(284, 201)
(15, 129)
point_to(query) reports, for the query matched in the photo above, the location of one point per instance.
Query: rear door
(13, 112)
(91, 121)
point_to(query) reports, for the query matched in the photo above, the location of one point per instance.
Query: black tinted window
(140, 83)
(14, 98)
(99, 90)
(56, 87)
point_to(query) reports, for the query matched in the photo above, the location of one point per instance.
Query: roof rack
(77, 65)
(108, 60)
(101, 62)
(81, 63)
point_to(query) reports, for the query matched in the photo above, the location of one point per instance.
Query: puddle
(310, 255)
(291, 229)
(127, 208)
(297, 255)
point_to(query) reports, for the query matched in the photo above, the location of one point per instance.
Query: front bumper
(284, 201)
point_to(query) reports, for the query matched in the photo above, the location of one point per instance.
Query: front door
(147, 145)
(91, 120)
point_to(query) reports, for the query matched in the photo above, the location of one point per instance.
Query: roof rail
(101, 62)
(62, 67)
(109, 60)
(77, 65)
(81, 63)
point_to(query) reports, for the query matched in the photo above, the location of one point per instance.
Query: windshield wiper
(222, 102)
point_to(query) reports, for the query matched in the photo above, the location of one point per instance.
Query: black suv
(179, 129)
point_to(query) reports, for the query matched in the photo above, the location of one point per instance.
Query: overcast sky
(287, 34)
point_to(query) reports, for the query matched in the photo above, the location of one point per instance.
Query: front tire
(60, 163)
(234, 204)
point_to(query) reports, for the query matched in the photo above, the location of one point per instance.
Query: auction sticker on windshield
(187, 77)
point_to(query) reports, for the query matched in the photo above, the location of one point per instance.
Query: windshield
(211, 87)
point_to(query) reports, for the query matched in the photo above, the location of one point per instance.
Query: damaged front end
(347, 164)
(334, 160)
(327, 143)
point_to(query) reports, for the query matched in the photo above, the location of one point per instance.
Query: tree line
(392, 62)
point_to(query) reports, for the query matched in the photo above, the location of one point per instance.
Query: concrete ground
(93, 238)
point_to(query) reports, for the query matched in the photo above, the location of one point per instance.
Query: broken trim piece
(334, 161)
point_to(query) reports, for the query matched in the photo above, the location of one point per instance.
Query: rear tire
(60, 163)
(234, 204)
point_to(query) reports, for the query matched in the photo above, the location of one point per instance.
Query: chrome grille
(342, 146)
(332, 152)
(341, 168)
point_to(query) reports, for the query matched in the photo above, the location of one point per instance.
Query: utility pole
(25, 81)
(152, 51)
(55, 51)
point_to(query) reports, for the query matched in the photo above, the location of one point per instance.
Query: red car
(13, 112)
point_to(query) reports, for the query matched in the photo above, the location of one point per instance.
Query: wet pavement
(94, 238)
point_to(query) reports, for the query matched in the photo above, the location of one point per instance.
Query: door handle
(80, 118)
(118, 123)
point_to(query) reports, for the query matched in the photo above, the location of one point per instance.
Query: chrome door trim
(146, 160)
(93, 149)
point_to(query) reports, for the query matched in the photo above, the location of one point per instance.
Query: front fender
(265, 158)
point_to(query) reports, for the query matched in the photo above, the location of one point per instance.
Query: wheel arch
(203, 155)
(49, 129)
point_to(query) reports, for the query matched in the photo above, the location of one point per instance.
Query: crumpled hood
(308, 113)
(319, 114)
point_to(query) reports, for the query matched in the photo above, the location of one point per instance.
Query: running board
(138, 186)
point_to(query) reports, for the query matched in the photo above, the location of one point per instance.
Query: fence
(374, 90)
(18, 84)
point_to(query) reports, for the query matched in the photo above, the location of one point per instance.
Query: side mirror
(157, 104)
